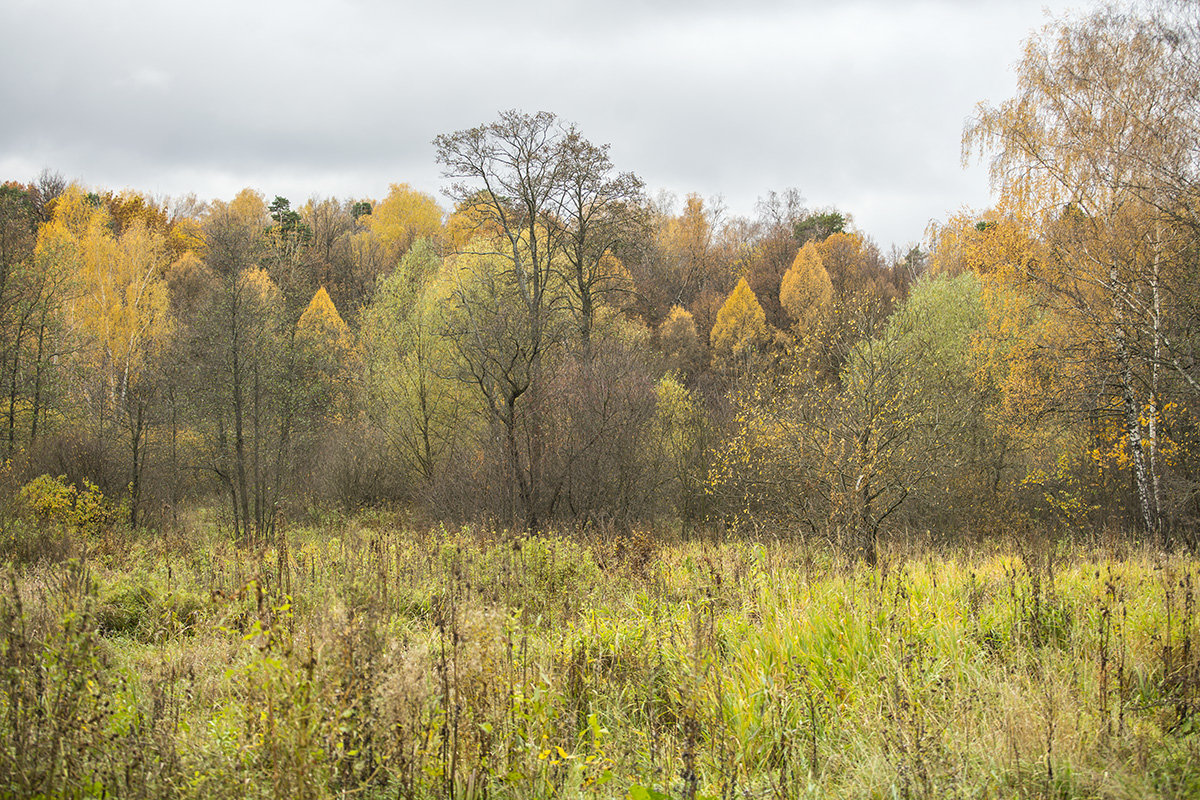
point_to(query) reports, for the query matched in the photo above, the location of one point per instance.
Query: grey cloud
(859, 102)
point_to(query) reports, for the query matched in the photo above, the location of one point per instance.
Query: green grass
(365, 660)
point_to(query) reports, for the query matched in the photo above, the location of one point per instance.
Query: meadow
(360, 658)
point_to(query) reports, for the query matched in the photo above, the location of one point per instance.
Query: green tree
(677, 434)
(906, 422)
(819, 226)
(413, 394)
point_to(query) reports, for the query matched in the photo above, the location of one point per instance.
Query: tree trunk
(138, 452)
(38, 367)
(519, 487)
(286, 417)
(1156, 354)
(12, 389)
(1133, 431)
(242, 502)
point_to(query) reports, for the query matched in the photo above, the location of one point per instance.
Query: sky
(859, 105)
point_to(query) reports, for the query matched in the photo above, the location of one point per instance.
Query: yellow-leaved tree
(1095, 151)
(741, 328)
(695, 264)
(680, 343)
(325, 363)
(400, 219)
(121, 314)
(806, 290)
(325, 348)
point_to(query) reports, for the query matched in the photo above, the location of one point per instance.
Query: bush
(47, 517)
(49, 498)
(54, 501)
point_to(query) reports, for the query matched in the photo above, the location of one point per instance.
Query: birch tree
(1090, 150)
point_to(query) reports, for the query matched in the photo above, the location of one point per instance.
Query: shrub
(54, 501)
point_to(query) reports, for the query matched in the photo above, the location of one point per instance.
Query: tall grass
(361, 659)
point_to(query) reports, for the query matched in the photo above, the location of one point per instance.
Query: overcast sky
(859, 105)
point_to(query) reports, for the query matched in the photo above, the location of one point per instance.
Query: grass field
(360, 659)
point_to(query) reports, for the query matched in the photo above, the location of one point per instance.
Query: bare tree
(599, 213)
(548, 211)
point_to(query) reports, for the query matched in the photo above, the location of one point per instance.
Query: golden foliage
(328, 353)
(401, 218)
(122, 308)
(690, 234)
(257, 286)
(129, 207)
(321, 320)
(468, 221)
(741, 326)
(679, 341)
(184, 236)
(997, 244)
(249, 206)
(805, 291)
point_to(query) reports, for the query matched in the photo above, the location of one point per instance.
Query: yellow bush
(55, 501)
(49, 498)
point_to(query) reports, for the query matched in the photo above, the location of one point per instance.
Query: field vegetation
(357, 658)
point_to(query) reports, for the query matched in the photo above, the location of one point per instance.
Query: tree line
(559, 348)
